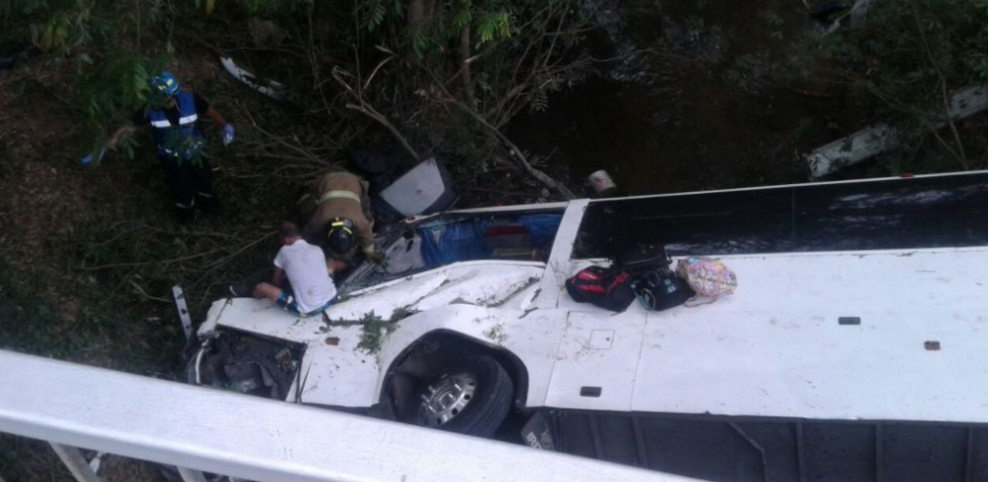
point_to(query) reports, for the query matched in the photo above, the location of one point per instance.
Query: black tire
(489, 405)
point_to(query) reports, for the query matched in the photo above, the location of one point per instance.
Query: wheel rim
(446, 398)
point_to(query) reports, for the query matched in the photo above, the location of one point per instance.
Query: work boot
(209, 203)
(185, 214)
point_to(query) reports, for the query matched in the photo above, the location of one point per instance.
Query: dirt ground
(88, 254)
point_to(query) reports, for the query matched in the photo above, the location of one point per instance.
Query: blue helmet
(165, 82)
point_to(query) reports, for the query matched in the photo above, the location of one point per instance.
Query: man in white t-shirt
(305, 267)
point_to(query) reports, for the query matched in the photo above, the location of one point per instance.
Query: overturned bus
(852, 350)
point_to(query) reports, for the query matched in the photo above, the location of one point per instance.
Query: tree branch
(944, 96)
(368, 110)
(513, 150)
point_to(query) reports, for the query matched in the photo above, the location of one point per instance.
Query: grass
(88, 256)
(88, 263)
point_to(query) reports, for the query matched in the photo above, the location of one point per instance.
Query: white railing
(203, 429)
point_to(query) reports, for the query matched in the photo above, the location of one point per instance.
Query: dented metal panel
(337, 370)
(534, 339)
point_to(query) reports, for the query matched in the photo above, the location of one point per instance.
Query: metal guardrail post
(75, 462)
(183, 313)
(189, 475)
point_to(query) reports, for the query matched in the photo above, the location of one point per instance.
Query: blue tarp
(465, 241)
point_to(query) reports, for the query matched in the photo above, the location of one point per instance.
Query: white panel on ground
(418, 189)
(875, 139)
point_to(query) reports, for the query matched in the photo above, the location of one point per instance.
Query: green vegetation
(898, 66)
(93, 253)
(88, 256)
(374, 329)
(906, 61)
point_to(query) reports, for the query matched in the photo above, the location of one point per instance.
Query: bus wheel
(471, 397)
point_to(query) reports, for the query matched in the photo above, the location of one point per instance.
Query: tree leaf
(463, 18)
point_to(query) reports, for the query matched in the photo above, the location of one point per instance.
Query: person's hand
(227, 135)
(88, 158)
(376, 257)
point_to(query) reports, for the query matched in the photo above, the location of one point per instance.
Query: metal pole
(76, 463)
(183, 313)
(189, 475)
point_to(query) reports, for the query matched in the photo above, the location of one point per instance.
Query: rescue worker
(174, 117)
(337, 208)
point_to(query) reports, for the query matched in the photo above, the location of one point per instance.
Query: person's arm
(203, 107)
(278, 277)
(365, 234)
(138, 119)
(118, 135)
(219, 120)
(216, 117)
(114, 139)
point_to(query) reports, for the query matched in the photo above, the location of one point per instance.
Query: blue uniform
(180, 146)
(182, 140)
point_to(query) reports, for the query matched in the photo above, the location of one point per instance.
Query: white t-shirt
(305, 266)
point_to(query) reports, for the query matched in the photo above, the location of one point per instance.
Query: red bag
(601, 287)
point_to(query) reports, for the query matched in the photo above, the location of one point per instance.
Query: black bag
(642, 258)
(661, 289)
(601, 287)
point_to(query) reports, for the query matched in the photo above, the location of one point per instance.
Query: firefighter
(338, 212)
(174, 117)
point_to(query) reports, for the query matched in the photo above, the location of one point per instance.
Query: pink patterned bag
(707, 276)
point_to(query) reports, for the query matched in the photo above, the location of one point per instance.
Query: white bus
(853, 349)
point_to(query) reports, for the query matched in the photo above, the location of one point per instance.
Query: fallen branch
(488, 190)
(140, 291)
(279, 140)
(368, 110)
(513, 150)
(944, 96)
(155, 261)
(216, 264)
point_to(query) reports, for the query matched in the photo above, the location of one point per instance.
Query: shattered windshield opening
(924, 212)
(454, 238)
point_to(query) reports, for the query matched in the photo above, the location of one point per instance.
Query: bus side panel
(927, 453)
(742, 449)
(839, 452)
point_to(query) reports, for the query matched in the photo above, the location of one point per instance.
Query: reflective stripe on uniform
(161, 124)
(335, 194)
(188, 119)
